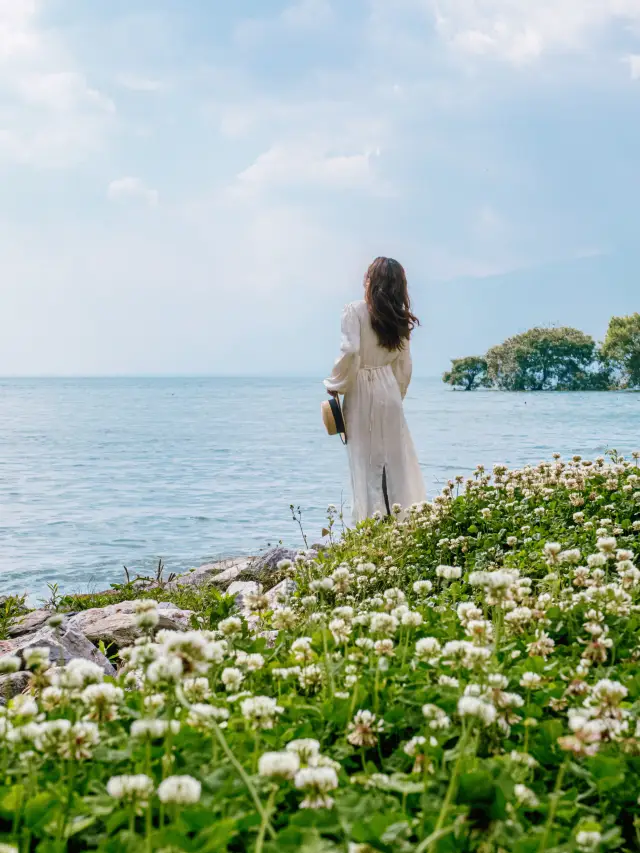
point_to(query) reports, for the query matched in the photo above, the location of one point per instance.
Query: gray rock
(31, 622)
(13, 684)
(240, 589)
(219, 573)
(268, 563)
(68, 645)
(116, 623)
(279, 594)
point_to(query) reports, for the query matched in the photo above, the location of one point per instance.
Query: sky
(197, 186)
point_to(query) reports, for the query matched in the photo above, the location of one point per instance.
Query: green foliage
(467, 675)
(542, 360)
(11, 608)
(622, 346)
(553, 359)
(467, 373)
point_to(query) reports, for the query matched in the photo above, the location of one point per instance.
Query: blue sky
(196, 186)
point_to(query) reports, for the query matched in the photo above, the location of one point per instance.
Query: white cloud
(302, 15)
(62, 92)
(52, 116)
(518, 31)
(307, 14)
(136, 83)
(634, 65)
(132, 189)
(298, 165)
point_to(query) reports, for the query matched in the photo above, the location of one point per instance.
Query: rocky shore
(89, 633)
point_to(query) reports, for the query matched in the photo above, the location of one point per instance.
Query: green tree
(468, 373)
(544, 359)
(622, 346)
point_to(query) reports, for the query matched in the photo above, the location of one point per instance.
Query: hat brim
(332, 417)
(328, 418)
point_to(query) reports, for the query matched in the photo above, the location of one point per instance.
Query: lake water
(99, 473)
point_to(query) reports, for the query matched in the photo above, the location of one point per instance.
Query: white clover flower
(260, 711)
(412, 619)
(525, 796)
(449, 573)
(24, 706)
(340, 630)
(551, 550)
(131, 789)
(365, 643)
(146, 620)
(9, 664)
(252, 662)
(306, 749)
(609, 693)
(422, 587)
(448, 681)
(232, 678)
(311, 677)
(144, 605)
(384, 648)
(437, 718)
(383, 623)
(284, 619)
(607, 545)
(301, 650)
(279, 765)
(316, 782)
(8, 848)
(181, 790)
(83, 737)
(153, 729)
(205, 717)
(622, 555)
(524, 759)
(215, 651)
(196, 689)
(79, 673)
(519, 616)
(588, 841)
(428, 650)
(468, 611)
(48, 736)
(52, 698)
(364, 729)
(470, 706)
(230, 627)
(155, 701)
(571, 556)
(413, 746)
(321, 585)
(36, 658)
(102, 701)
(167, 669)
(530, 680)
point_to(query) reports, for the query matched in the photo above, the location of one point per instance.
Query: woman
(373, 372)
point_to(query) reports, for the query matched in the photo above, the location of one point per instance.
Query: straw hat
(332, 417)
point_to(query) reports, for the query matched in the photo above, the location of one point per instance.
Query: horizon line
(77, 376)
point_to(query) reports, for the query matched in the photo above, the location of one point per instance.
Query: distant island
(556, 359)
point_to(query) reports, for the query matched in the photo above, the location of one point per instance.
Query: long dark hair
(387, 296)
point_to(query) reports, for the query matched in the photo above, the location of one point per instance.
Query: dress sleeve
(348, 361)
(402, 369)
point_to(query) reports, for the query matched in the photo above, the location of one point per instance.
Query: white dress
(374, 381)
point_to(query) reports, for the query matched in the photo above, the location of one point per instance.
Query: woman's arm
(348, 361)
(403, 368)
